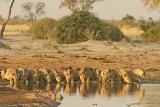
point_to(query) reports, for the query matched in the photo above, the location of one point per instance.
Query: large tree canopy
(80, 5)
(151, 4)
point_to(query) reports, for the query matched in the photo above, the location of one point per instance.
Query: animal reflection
(69, 89)
(85, 90)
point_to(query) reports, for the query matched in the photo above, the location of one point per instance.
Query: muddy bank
(10, 97)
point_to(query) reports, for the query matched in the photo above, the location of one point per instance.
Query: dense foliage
(82, 26)
(4, 45)
(152, 34)
(114, 33)
(43, 28)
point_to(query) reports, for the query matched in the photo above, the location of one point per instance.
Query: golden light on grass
(131, 31)
(15, 30)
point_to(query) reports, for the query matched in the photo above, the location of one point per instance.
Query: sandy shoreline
(27, 53)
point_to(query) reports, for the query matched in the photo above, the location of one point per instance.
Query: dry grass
(4, 45)
(15, 30)
(131, 31)
(25, 46)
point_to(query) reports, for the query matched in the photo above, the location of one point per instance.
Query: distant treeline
(14, 21)
(82, 26)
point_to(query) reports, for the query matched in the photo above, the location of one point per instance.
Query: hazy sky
(108, 9)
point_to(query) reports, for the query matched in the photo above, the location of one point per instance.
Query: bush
(82, 26)
(128, 20)
(152, 34)
(146, 25)
(4, 45)
(1, 19)
(43, 28)
(114, 33)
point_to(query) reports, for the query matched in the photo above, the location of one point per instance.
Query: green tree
(82, 26)
(78, 5)
(128, 18)
(151, 4)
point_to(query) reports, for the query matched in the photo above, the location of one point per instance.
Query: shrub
(148, 24)
(152, 34)
(82, 26)
(114, 33)
(128, 20)
(1, 19)
(4, 45)
(43, 28)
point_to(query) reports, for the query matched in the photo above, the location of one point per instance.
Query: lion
(44, 75)
(20, 72)
(13, 85)
(83, 76)
(135, 77)
(109, 76)
(10, 74)
(124, 76)
(113, 76)
(86, 74)
(139, 72)
(98, 74)
(68, 73)
(104, 77)
(34, 75)
(55, 75)
(29, 75)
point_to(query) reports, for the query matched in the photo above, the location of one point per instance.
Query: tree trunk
(5, 22)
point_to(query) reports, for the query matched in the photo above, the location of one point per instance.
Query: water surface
(102, 95)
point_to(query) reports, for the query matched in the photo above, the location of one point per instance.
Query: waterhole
(101, 95)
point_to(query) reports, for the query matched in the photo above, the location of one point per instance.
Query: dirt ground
(28, 53)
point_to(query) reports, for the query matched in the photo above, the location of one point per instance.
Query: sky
(107, 9)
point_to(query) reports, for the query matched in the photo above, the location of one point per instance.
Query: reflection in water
(152, 96)
(69, 89)
(84, 90)
(57, 87)
(101, 95)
